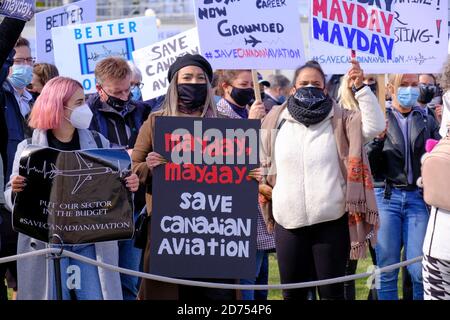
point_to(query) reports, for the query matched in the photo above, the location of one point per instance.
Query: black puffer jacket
(387, 157)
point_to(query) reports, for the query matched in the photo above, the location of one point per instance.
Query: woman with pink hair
(60, 118)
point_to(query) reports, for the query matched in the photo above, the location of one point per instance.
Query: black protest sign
(79, 196)
(205, 205)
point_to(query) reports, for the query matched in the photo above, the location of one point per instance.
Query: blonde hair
(112, 68)
(395, 79)
(170, 105)
(444, 79)
(345, 95)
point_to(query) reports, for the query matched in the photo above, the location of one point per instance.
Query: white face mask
(81, 117)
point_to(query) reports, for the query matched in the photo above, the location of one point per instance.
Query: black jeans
(314, 252)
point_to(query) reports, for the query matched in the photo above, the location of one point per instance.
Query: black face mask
(427, 93)
(35, 95)
(242, 97)
(373, 87)
(117, 103)
(191, 97)
(309, 105)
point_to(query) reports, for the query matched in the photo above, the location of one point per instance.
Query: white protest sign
(355, 26)
(259, 34)
(75, 13)
(164, 34)
(154, 61)
(78, 48)
(421, 41)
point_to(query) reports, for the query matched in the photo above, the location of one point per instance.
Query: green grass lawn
(362, 291)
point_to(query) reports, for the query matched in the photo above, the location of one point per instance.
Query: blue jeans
(80, 277)
(403, 222)
(250, 294)
(129, 258)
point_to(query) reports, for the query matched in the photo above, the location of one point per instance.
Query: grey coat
(35, 275)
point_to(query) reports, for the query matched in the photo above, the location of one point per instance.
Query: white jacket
(310, 188)
(445, 114)
(437, 238)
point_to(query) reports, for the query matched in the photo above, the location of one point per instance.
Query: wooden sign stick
(381, 90)
(256, 86)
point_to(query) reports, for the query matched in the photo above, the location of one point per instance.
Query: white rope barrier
(149, 276)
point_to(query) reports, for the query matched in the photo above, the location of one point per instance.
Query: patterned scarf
(309, 105)
(360, 202)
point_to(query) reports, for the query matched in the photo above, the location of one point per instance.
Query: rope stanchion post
(57, 267)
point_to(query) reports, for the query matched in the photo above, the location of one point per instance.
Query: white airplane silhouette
(85, 172)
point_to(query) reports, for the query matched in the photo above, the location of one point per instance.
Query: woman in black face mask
(322, 202)
(189, 95)
(236, 90)
(42, 73)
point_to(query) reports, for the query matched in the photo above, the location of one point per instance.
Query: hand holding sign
(356, 74)
(154, 159)
(257, 110)
(132, 182)
(18, 183)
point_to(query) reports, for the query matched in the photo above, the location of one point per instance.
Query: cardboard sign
(75, 13)
(354, 25)
(79, 196)
(204, 204)
(250, 34)
(79, 48)
(154, 61)
(19, 9)
(421, 40)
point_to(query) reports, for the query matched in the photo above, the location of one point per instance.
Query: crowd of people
(338, 176)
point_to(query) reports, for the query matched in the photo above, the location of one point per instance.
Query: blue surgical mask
(21, 76)
(407, 96)
(136, 94)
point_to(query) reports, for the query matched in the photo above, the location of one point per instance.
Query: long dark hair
(311, 65)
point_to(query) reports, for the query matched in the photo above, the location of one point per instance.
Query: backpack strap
(97, 139)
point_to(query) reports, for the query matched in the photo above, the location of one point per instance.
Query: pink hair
(47, 112)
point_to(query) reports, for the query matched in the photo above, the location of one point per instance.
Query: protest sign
(75, 13)
(79, 196)
(165, 33)
(19, 9)
(250, 34)
(355, 26)
(78, 48)
(204, 204)
(420, 39)
(154, 61)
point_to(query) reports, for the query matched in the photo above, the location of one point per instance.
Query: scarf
(363, 220)
(360, 203)
(242, 112)
(309, 106)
